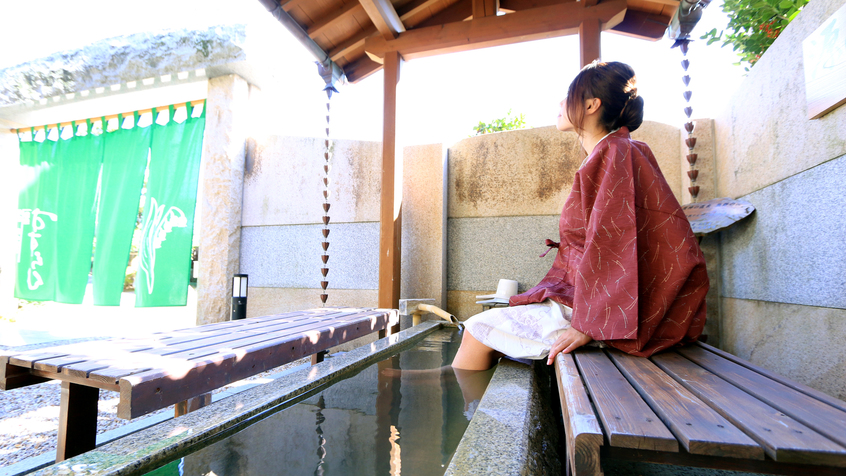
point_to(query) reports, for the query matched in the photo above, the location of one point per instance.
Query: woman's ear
(592, 105)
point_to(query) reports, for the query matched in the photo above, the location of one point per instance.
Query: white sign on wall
(824, 53)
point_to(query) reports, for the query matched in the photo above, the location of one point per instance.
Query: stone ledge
(117, 61)
(512, 431)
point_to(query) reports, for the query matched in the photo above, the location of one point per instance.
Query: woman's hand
(567, 342)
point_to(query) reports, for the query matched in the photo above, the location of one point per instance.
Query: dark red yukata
(628, 263)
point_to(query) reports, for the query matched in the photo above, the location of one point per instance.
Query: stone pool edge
(144, 451)
(513, 431)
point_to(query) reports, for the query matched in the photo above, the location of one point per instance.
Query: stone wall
(784, 286)
(281, 223)
(506, 191)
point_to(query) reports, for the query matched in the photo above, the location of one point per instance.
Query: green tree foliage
(507, 123)
(754, 25)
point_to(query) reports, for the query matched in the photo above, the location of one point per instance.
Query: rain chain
(328, 150)
(327, 156)
(692, 173)
(321, 441)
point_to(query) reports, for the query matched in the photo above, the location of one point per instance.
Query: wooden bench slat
(182, 356)
(821, 417)
(253, 327)
(700, 429)
(150, 390)
(627, 419)
(28, 359)
(811, 392)
(582, 431)
(783, 438)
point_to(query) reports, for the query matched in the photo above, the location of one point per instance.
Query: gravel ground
(29, 416)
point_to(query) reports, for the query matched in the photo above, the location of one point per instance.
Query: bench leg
(318, 357)
(192, 404)
(77, 420)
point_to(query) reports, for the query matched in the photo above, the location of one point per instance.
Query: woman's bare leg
(473, 355)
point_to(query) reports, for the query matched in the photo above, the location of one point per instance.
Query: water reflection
(404, 415)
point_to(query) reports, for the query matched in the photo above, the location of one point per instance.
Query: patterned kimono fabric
(628, 263)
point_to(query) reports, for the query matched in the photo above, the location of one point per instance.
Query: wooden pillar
(77, 420)
(390, 244)
(589, 45)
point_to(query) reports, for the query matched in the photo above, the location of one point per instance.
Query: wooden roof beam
(646, 26)
(544, 22)
(384, 17)
(320, 26)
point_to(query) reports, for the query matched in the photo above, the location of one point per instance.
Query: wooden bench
(695, 406)
(170, 368)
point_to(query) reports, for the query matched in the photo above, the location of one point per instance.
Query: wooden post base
(186, 406)
(77, 420)
(318, 357)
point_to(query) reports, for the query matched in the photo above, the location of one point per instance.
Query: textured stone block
(514, 173)
(530, 172)
(462, 304)
(791, 249)
(803, 343)
(9, 185)
(663, 140)
(289, 256)
(119, 60)
(764, 135)
(705, 162)
(219, 200)
(424, 223)
(482, 251)
(283, 181)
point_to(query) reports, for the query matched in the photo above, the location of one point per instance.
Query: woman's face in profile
(563, 123)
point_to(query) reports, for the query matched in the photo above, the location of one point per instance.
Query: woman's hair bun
(631, 116)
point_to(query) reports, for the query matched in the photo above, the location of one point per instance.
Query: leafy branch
(754, 25)
(507, 123)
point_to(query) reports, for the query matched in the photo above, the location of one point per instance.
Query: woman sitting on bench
(629, 272)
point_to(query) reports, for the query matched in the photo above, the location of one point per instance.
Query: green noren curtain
(124, 163)
(56, 217)
(168, 219)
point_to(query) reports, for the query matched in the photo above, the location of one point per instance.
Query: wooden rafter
(414, 7)
(458, 11)
(360, 69)
(352, 44)
(343, 13)
(545, 22)
(384, 16)
(405, 12)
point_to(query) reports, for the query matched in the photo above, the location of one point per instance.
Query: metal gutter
(687, 16)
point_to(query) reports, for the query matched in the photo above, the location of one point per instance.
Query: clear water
(404, 415)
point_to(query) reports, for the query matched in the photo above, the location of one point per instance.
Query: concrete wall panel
(483, 250)
(791, 249)
(803, 343)
(267, 301)
(289, 256)
(283, 181)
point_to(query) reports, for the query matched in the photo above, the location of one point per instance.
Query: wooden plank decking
(167, 368)
(718, 410)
